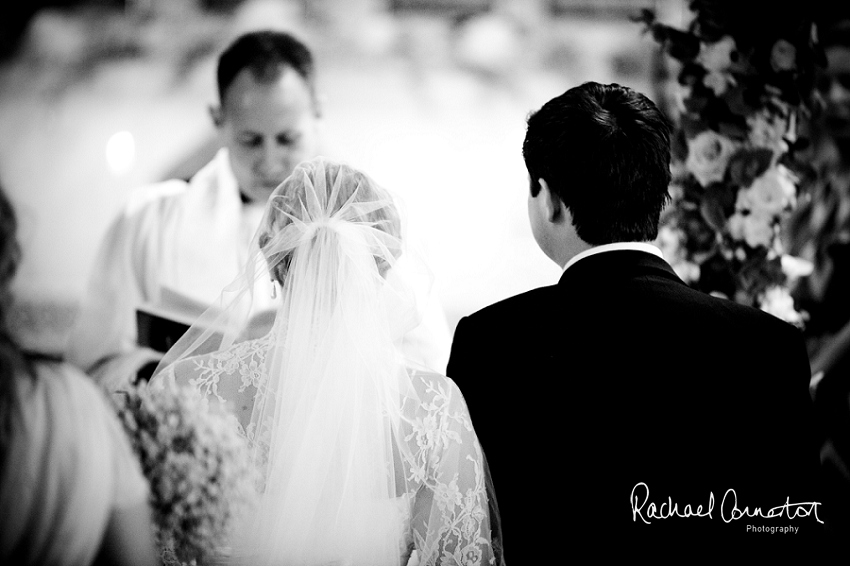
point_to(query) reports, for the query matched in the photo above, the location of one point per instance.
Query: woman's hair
(13, 363)
(290, 201)
(10, 254)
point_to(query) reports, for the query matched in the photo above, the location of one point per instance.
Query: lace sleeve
(229, 378)
(452, 518)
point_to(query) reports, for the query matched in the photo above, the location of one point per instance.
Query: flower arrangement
(198, 466)
(745, 86)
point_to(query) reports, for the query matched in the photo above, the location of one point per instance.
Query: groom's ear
(552, 204)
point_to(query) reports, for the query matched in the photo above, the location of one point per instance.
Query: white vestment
(192, 238)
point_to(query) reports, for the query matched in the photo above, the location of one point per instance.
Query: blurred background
(429, 97)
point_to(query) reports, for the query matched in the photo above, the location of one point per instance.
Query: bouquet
(745, 87)
(199, 468)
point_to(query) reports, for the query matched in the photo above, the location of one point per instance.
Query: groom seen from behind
(656, 401)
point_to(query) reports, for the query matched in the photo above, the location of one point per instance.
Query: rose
(719, 86)
(718, 82)
(779, 302)
(768, 130)
(796, 267)
(717, 56)
(758, 230)
(783, 56)
(770, 193)
(735, 226)
(708, 156)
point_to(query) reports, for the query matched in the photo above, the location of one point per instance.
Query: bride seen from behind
(365, 459)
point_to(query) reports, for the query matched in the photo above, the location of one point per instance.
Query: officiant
(178, 238)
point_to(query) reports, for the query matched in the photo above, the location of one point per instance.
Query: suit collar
(617, 246)
(618, 264)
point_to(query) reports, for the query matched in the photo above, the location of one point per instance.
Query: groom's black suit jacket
(622, 374)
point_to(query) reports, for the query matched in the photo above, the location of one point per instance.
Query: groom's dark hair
(605, 151)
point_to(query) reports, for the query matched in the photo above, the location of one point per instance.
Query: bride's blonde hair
(289, 201)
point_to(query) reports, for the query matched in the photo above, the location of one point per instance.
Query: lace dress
(441, 507)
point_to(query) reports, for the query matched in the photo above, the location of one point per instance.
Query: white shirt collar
(634, 246)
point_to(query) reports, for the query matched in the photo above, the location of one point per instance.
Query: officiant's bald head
(268, 116)
(598, 159)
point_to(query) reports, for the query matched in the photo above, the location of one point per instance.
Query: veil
(364, 459)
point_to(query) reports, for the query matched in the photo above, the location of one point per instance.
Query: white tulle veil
(336, 422)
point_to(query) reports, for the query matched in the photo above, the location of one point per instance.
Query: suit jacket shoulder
(524, 305)
(502, 346)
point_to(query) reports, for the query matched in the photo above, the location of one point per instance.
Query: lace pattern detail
(245, 358)
(447, 517)
(448, 461)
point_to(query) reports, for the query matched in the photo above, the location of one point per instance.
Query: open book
(160, 325)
